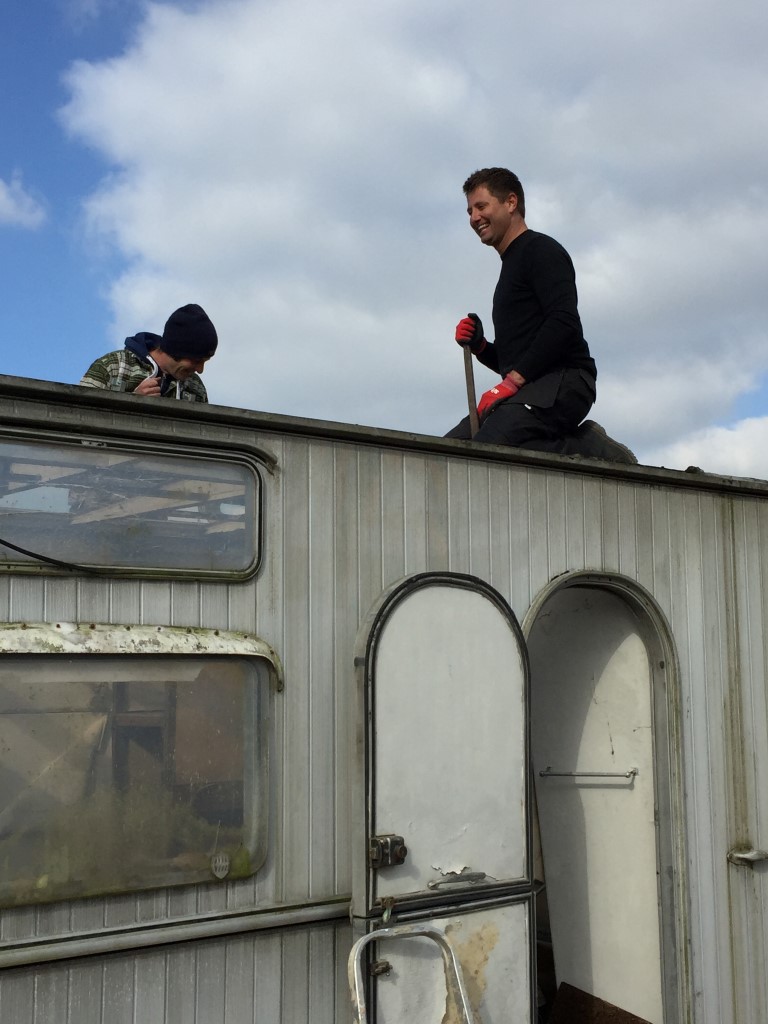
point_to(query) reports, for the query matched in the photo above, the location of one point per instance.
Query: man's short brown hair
(500, 183)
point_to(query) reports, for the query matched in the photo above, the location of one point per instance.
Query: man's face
(493, 219)
(180, 369)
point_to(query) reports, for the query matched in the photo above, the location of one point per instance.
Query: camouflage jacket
(124, 371)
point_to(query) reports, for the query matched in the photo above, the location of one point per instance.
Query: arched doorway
(606, 770)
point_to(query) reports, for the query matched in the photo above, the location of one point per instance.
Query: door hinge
(386, 851)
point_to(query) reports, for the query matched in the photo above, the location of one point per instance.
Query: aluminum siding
(344, 521)
(297, 977)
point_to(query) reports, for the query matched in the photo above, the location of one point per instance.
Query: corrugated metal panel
(295, 978)
(747, 718)
(344, 521)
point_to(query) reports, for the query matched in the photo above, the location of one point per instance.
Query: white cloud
(297, 170)
(739, 450)
(17, 207)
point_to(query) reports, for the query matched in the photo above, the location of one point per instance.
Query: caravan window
(130, 772)
(89, 504)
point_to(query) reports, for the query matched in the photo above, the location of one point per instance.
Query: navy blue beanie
(189, 334)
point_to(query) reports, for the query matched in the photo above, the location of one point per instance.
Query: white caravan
(306, 723)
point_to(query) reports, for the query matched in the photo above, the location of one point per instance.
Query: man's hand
(505, 389)
(149, 387)
(469, 332)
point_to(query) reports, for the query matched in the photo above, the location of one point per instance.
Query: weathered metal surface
(457, 1000)
(101, 638)
(347, 513)
(297, 975)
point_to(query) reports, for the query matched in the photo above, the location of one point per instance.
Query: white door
(443, 773)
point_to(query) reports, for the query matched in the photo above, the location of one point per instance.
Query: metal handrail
(547, 773)
(453, 975)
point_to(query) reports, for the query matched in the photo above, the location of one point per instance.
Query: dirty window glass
(124, 773)
(88, 505)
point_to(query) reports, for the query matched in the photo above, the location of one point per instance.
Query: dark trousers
(521, 423)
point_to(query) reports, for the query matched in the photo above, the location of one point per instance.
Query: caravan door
(442, 895)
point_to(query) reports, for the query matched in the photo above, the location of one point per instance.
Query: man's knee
(462, 431)
(514, 424)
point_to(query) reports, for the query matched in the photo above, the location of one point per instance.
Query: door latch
(386, 851)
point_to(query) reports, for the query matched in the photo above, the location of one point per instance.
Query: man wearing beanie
(155, 366)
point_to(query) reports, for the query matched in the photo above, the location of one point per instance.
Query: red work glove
(505, 389)
(469, 332)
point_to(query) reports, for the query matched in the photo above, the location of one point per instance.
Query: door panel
(450, 750)
(443, 732)
(491, 947)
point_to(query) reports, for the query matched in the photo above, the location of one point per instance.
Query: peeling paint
(452, 872)
(104, 638)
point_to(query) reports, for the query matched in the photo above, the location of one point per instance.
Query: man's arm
(553, 281)
(489, 358)
(115, 372)
(194, 390)
(97, 375)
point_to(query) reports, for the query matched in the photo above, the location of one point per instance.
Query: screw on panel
(379, 967)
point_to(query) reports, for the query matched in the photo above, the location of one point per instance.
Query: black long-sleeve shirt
(535, 311)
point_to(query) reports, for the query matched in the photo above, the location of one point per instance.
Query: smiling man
(548, 374)
(160, 366)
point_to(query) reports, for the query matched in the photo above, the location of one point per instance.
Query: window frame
(78, 640)
(229, 454)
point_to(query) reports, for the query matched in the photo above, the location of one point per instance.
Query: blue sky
(53, 305)
(296, 169)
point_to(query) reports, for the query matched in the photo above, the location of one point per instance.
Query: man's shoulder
(119, 370)
(124, 356)
(535, 249)
(538, 240)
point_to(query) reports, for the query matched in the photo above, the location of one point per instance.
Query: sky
(296, 168)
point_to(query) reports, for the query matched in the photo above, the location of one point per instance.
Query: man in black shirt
(548, 374)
